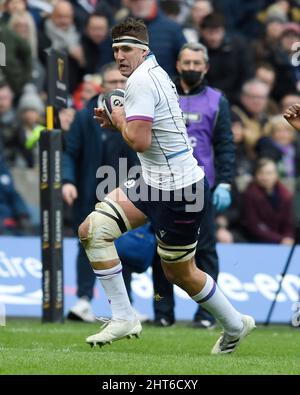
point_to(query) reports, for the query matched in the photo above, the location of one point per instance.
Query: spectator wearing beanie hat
(31, 110)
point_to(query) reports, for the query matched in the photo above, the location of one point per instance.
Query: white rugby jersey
(150, 94)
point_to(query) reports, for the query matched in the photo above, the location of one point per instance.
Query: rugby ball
(114, 98)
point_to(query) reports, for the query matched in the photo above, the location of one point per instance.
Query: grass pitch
(29, 347)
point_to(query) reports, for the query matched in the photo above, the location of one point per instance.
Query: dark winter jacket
(96, 55)
(267, 218)
(230, 66)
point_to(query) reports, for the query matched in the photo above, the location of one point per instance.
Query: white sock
(213, 300)
(114, 287)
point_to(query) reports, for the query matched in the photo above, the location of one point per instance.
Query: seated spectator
(39, 9)
(266, 73)
(267, 41)
(84, 8)
(253, 110)
(66, 117)
(230, 59)
(244, 163)
(269, 48)
(281, 147)
(171, 8)
(228, 227)
(59, 33)
(9, 125)
(17, 71)
(12, 7)
(14, 215)
(31, 110)
(96, 43)
(179, 11)
(267, 207)
(23, 24)
(240, 15)
(200, 9)
(289, 9)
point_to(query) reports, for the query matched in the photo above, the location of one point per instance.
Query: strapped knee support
(106, 224)
(176, 253)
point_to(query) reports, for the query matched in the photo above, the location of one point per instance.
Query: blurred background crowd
(253, 60)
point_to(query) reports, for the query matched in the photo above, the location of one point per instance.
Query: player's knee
(99, 230)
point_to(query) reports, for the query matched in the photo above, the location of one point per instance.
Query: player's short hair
(197, 47)
(131, 27)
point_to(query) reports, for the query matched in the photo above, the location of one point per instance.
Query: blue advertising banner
(249, 276)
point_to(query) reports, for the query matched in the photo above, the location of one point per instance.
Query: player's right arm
(137, 133)
(135, 123)
(292, 115)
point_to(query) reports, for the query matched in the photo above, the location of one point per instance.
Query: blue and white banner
(249, 276)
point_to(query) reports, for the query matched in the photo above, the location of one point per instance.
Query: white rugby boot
(226, 344)
(115, 330)
(82, 311)
(140, 316)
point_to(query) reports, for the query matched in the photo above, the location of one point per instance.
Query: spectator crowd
(252, 48)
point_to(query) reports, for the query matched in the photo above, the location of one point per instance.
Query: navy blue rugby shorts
(174, 215)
